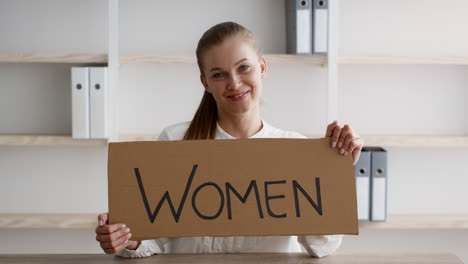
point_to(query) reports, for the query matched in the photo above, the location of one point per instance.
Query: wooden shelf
(52, 58)
(72, 221)
(153, 137)
(416, 141)
(48, 140)
(190, 59)
(56, 221)
(138, 137)
(384, 141)
(403, 60)
(422, 221)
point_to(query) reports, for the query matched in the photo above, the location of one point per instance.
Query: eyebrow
(217, 68)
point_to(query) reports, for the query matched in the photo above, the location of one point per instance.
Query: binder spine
(80, 102)
(362, 172)
(320, 27)
(98, 102)
(379, 185)
(299, 26)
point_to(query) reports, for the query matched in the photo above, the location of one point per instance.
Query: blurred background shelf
(190, 59)
(48, 140)
(384, 141)
(138, 137)
(420, 221)
(403, 60)
(52, 58)
(55, 221)
(86, 221)
(416, 141)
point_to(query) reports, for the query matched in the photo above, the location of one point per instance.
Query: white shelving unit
(332, 63)
(21, 139)
(46, 138)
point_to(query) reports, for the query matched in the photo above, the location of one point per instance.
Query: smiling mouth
(238, 96)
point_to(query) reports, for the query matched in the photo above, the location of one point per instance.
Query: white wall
(155, 96)
(157, 26)
(404, 99)
(53, 26)
(414, 27)
(35, 98)
(53, 179)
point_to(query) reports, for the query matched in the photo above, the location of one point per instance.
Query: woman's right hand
(113, 238)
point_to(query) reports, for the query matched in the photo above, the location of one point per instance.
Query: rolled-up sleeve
(147, 248)
(320, 246)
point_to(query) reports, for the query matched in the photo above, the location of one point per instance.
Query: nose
(234, 82)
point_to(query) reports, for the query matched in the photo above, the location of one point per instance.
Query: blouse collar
(221, 134)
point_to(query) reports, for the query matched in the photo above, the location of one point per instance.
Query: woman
(231, 70)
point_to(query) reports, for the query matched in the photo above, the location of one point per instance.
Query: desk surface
(271, 258)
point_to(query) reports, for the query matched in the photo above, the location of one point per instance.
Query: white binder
(98, 102)
(299, 26)
(80, 102)
(320, 27)
(379, 176)
(362, 170)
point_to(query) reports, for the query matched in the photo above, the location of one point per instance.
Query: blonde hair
(203, 125)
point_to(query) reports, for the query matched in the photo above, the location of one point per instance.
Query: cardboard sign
(244, 187)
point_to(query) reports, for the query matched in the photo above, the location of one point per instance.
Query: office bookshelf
(113, 58)
(22, 139)
(92, 59)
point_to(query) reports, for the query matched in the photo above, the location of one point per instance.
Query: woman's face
(233, 75)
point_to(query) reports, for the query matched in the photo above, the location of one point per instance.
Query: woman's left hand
(345, 140)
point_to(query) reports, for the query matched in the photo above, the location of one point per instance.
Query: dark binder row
(307, 26)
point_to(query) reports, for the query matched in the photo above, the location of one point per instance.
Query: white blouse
(315, 245)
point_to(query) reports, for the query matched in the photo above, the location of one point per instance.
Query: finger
(114, 236)
(352, 146)
(335, 136)
(348, 144)
(356, 153)
(109, 229)
(357, 142)
(102, 219)
(344, 133)
(330, 128)
(116, 249)
(116, 242)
